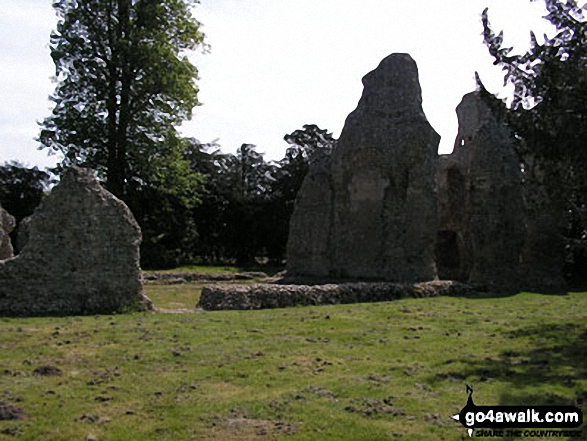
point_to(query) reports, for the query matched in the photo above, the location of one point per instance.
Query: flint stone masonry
(263, 296)
(308, 247)
(499, 227)
(481, 209)
(82, 255)
(369, 210)
(7, 224)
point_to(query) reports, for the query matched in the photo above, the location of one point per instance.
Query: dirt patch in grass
(48, 371)
(369, 407)
(10, 412)
(264, 429)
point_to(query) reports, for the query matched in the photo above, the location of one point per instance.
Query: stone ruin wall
(82, 255)
(308, 247)
(7, 224)
(379, 207)
(369, 210)
(497, 228)
(481, 227)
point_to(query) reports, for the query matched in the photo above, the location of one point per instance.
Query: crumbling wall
(82, 255)
(308, 248)
(453, 244)
(369, 212)
(377, 208)
(498, 226)
(7, 224)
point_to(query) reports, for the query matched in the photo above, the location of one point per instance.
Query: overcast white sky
(276, 65)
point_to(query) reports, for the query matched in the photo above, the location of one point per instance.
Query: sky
(275, 65)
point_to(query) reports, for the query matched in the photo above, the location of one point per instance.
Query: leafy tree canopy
(124, 84)
(247, 202)
(22, 188)
(548, 113)
(549, 104)
(305, 145)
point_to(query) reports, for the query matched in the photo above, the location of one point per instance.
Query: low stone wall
(264, 296)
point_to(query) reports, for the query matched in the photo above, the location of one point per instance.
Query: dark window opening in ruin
(447, 255)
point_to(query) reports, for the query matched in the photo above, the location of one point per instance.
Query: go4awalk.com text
(520, 421)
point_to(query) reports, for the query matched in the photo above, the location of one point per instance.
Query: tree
(124, 83)
(213, 215)
(231, 218)
(548, 113)
(22, 189)
(304, 144)
(247, 202)
(549, 103)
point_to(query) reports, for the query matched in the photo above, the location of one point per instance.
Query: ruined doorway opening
(448, 260)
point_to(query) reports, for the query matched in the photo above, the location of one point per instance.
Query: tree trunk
(119, 84)
(113, 175)
(125, 86)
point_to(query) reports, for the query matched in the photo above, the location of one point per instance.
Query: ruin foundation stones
(262, 296)
(369, 210)
(7, 224)
(82, 255)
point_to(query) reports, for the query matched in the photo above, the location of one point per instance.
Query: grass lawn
(202, 269)
(181, 296)
(381, 371)
(207, 269)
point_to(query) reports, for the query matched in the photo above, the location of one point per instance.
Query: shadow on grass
(557, 356)
(481, 292)
(555, 359)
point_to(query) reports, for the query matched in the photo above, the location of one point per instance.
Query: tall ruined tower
(499, 226)
(481, 209)
(369, 210)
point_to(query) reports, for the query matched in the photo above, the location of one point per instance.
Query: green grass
(182, 296)
(348, 372)
(227, 269)
(202, 269)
